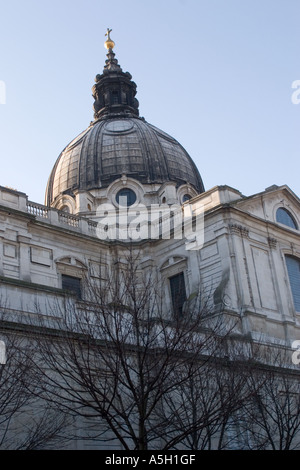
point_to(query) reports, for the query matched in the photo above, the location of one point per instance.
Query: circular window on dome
(126, 197)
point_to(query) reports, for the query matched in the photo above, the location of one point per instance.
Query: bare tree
(138, 376)
(121, 362)
(13, 390)
(20, 428)
(202, 411)
(272, 416)
(25, 423)
(130, 373)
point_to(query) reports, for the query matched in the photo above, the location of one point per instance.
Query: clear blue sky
(214, 74)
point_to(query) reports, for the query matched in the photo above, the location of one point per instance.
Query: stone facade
(241, 263)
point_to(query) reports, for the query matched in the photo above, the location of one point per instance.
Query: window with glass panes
(178, 293)
(293, 268)
(72, 284)
(284, 217)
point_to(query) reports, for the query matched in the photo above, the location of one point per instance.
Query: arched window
(65, 209)
(186, 197)
(114, 97)
(293, 268)
(285, 217)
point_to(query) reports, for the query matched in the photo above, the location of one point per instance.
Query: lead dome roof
(118, 143)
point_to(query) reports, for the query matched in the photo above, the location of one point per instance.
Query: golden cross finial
(109, 43)
(108, 33)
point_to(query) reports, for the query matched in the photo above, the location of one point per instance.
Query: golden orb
(109, 44)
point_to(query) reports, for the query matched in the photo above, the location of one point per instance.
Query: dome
(119, 143)
(127, 146)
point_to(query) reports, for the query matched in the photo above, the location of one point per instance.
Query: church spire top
(109, 43)
(114, 91)
(111, 62)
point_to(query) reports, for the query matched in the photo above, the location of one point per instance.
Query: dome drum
(118, 97)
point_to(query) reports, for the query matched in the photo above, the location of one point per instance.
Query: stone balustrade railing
(68, 219)
(16, 200)
(37, 209)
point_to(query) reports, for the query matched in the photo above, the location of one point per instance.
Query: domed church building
(122, 183)
(120, 153)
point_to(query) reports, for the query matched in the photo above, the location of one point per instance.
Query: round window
(126, 197)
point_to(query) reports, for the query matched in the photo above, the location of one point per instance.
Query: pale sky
(215, 74)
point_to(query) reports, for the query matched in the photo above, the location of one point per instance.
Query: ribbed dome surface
(122, 145)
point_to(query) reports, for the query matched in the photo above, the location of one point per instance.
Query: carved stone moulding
(239, 230)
